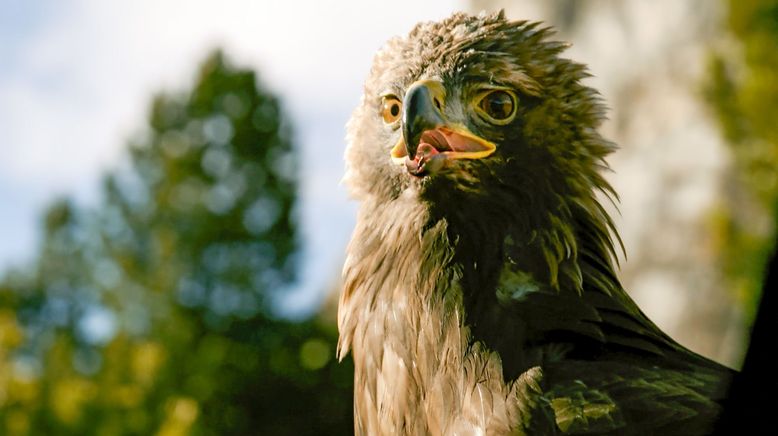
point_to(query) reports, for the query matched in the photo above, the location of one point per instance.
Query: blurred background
(172, 225)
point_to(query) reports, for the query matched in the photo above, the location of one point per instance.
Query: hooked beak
(429, 141)
(421, 112)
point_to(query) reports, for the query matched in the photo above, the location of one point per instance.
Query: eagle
(480, 290)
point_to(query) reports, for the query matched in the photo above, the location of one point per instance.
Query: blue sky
(76, 78)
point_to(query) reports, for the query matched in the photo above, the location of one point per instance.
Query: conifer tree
(151, 313)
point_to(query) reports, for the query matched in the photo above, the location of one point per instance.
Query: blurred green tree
(742, 89)
(151, 314)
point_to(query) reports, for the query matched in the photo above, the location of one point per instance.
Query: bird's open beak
(429, 141)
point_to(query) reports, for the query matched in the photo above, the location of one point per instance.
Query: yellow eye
(391, 109)
(498, 106)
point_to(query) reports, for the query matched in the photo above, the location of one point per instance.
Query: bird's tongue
(426, 150)
(435, 146)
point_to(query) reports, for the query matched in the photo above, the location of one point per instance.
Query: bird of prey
(480, 293)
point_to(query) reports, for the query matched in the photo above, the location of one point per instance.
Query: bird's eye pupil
(395, 110)
(498, 105)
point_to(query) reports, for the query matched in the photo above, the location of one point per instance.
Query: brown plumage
(480, 295)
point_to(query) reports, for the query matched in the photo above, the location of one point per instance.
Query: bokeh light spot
(218, 129)
(314, 354)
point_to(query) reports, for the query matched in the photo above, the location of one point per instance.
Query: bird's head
(480, 118)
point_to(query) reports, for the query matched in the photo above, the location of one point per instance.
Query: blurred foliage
(743, 90)
(150, 313)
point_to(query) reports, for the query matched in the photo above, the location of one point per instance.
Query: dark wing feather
(617, 373)
(622, 398)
